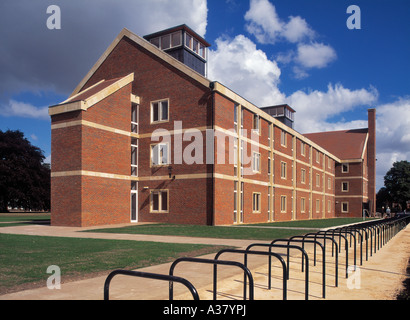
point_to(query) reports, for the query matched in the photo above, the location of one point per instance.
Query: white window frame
(283, 138)
(283, 200)
(347, 186)
(160, 195)
(256, 202)
(256, 162)
(160, 111)
(283, 169)
(347, 207)
(157, 148)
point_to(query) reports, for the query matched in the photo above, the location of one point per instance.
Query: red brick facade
(92, 142)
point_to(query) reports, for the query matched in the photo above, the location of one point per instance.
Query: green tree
(397, 182)
(24, 177)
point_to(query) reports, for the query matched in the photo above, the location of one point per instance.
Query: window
(302, 204)
(268, 165)
(283, 204)
(317, 205)
(167, 41)
(159, 111)
(345, 207)
(134, 157)
(302, 148)
(159, 154)
(256, 205)
(283, 138)
(317, 156)
(329, 183)
(317, 180)
(345, 186)
(256, 123)
(235, 117)
(235, 202)
(345, 167)
(195, 45)
(134, 118)
(159, 201)
(269, 191)
(328, 205)
(283, 166)
(303, 176)
(256, 163)
(235, 157)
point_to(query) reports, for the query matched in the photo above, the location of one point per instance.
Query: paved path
(380, 277)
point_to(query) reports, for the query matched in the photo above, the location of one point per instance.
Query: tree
(24, 177)
(397, 182)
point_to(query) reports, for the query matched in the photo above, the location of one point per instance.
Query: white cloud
(21, 109)
(239, 65)
(265, 24)
(315, 55)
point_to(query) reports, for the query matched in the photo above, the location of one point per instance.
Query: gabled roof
(345, 144)
(148, 46)
(90, 96)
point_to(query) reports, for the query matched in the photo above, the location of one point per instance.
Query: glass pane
(155, 201)
(188, 41)
(176, 39)
(154, 155)
(164, 110)
(133, 185)
(164, 154)
(166, 42)
(195, 45)
(133, 155)
(155, 42)
(133, 206)
(164, 201)
(155, 112)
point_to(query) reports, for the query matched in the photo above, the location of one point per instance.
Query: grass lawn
(16, 219)
(24, 259)
(236, 232)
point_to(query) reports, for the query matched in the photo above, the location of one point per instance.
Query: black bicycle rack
(215, 262)
(155, 276)
(271, 254)
(373, 234)
(305, 267)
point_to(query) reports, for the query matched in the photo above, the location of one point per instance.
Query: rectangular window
(317, 205)
(283, 204)
(302, 204)
(134, 156)
(328, 205)
(345, 186)
(269, 190)
(159, 154)
(256, 207)
(303, 176)
(329, 183)
(345, 207)
(256, 123)
(235, 202)
(159, 111)
(235, 117)
(134, 118)
(159, 201)
(317, 180)
(345, 167)
(283, 138)
(302, 148)
(283, 169)
(317, 156)
(256, 163)
(268, 165)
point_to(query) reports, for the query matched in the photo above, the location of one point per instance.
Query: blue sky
(299, 52)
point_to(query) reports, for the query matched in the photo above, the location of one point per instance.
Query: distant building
(146, 137)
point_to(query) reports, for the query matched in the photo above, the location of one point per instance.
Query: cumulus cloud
(315, 55)
(264, 23)
(239, 65)
(25, 110)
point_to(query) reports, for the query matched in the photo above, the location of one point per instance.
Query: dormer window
(168, 41)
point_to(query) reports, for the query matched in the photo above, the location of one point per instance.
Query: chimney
(183, 44)
(371, 160)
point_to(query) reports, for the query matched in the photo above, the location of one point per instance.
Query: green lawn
(251, 232)
(16, 219)
(24, 259)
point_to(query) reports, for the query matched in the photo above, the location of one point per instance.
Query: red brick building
(146, 137)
